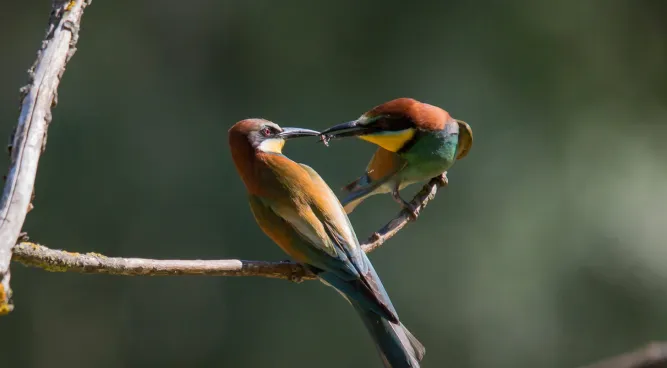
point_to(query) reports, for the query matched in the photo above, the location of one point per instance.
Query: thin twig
(419, 202)
(29, 138)
(653, 355)
(31, 254)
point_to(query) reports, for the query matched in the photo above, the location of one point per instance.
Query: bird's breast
(431, 154)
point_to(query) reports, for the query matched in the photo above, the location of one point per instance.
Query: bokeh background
(547, 249)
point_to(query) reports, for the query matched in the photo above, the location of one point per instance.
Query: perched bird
(298, 211)
(417, 142)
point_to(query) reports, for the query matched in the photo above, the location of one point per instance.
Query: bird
(296, 209)
(417, 141)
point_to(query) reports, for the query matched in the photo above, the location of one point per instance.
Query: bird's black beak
(289, 133)
(349, 129)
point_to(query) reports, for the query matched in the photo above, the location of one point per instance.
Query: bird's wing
(367, 286)
(293, 241)
(293, 201)
(328, 210)
(383, 165)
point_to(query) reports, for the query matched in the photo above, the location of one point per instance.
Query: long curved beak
(289, 133)
(349, 129)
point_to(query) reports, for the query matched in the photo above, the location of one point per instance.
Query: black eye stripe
(393, 123)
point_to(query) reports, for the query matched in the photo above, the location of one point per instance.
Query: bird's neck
(247, 164)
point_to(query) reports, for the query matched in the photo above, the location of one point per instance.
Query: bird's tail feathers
(349, 204)
(356, 184)
(398, 348)
(361, 189)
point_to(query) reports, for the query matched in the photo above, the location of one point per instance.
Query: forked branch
(31, 254)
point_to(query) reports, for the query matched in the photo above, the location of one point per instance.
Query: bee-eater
(299, 212)
(417, 142)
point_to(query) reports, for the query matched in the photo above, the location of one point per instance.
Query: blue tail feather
(360, 190)
(396, 345)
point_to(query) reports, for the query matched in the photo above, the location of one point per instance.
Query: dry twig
(29, 138)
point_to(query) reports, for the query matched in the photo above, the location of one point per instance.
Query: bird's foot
(442, 179)
(412, 210)
(296, 278)
(376, 237)
(297, 271)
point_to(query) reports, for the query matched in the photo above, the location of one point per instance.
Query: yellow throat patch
(272, 145)
(391, 141)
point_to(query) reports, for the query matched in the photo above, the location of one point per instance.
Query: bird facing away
(299, 212)
(417, 142)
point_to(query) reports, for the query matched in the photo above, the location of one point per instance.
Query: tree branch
(29, 138)
(653, 355)
(31, 254)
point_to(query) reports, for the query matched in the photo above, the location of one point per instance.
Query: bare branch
(29, 136)
(35, 255)
(653, 355)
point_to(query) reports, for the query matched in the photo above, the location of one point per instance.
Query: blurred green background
(547, 249)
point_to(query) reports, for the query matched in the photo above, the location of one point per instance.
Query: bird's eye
(266, 131)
